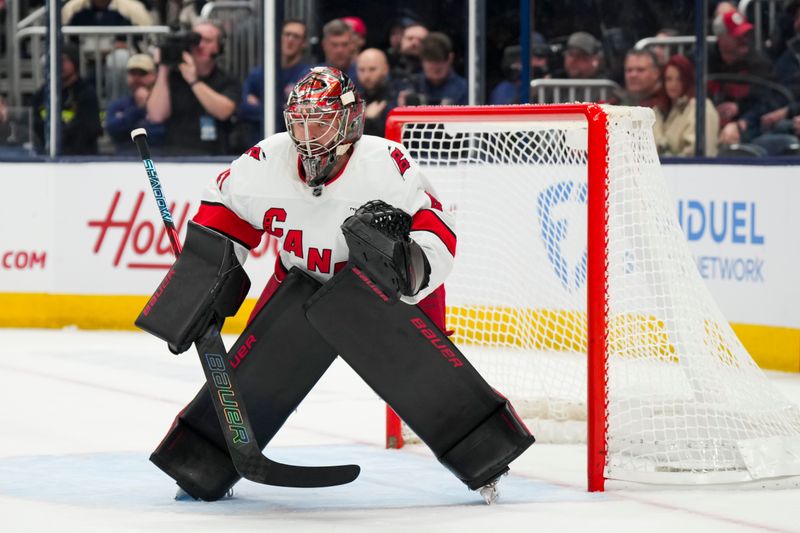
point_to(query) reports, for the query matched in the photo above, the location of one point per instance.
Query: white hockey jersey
(264, 191)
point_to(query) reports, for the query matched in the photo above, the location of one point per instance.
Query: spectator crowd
(191, 105)
(751, 106)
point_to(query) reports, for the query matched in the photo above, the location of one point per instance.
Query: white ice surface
(81, 411)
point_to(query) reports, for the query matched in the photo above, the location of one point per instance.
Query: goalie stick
(223, 386)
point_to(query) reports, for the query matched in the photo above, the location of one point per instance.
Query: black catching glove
(206, 284)
(378, 238)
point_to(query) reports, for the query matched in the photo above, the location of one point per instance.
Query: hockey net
(575, 295)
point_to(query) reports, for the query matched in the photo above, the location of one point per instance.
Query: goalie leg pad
(200, 467)
(484, 454)
(277, 359)
(412, 365)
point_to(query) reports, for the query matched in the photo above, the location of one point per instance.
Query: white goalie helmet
(324, 117)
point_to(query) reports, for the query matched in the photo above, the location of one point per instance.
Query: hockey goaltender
(365, 247)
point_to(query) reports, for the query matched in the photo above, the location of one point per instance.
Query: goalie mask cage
(574, 293)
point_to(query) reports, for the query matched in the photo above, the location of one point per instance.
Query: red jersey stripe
(426, 220)
(222, 177)
(435, 204)
(220, 218)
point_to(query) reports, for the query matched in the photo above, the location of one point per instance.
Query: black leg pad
(200, 467)
(423, 376)
(277, 360)
(484, 454)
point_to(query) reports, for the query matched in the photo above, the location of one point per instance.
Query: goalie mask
(324, 117)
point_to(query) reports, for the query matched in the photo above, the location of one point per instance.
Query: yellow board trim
(36, 310)
(774, 348)
(771, 347)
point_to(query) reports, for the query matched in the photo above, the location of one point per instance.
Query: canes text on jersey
(316, 260)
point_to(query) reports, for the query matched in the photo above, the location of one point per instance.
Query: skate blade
(183, 496)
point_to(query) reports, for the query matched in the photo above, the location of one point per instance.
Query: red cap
(357, 25)
(735, 23)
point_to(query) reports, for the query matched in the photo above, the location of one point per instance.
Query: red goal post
(631, 309)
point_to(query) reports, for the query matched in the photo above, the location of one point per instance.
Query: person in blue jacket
(251, 108)
(437, 84)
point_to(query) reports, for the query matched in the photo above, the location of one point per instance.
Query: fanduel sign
(720, 221)
(730, 226)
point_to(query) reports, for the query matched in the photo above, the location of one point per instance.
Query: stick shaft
(155, 185)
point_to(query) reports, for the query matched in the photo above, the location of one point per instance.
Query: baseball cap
(539, 46)
(731, 23)
(513, 53)
(357, 25)
(584, 41)
(142, 62)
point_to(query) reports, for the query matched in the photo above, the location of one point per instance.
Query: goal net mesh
(686, 403)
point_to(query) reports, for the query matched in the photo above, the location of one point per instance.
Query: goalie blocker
(206, 284)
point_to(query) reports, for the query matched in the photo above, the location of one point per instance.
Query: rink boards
(82, 244)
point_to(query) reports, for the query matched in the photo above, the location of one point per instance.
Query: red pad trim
(426, 220)
(280, 270)
(269, 290)
(433, 305)
(220, 218)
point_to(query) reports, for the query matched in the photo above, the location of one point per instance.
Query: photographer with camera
(192, 96)
(437, 84)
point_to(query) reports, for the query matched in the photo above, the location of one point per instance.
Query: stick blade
(262, 470)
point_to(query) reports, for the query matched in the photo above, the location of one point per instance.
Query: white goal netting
(686, 403)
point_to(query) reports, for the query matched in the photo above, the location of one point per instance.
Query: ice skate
(490, 492)
(183, 496)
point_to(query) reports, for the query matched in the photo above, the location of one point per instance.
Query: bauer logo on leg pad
(242, 351)
(436, 340)
(369, 283)
(227, 396)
